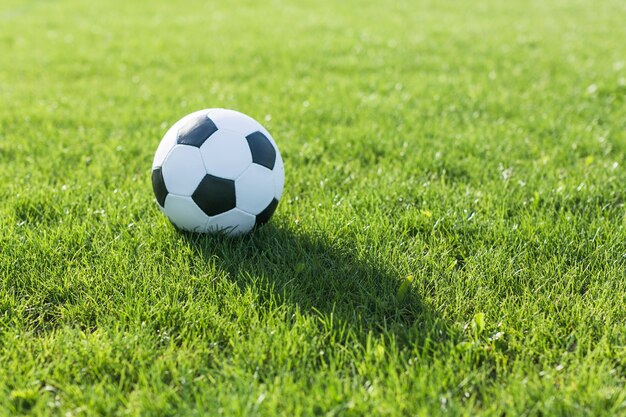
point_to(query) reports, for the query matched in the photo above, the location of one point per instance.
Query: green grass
(451, 240)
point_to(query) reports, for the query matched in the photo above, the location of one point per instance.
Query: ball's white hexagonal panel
(234, 121)
(169, 139)
(254, 189)
(166, 144)
(183, 170)
(185, 214)
(226, 154)
(279, 177)
(234, 223)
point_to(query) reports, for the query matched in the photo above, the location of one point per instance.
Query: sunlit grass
(451, 237)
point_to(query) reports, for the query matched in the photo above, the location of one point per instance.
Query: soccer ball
(217, 171)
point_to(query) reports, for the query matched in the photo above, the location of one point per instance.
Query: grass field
(451, 240)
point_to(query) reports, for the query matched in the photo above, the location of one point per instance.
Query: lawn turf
(451, 239)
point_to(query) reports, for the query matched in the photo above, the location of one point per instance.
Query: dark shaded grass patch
(324, 276)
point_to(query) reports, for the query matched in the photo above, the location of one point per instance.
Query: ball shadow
(324, 276)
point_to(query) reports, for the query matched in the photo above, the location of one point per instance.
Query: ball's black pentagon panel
(196, 131)
(215, 195)
(158, 186)
(263, 152)
(264, 216)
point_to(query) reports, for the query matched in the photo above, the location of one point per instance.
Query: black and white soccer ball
(217, 170)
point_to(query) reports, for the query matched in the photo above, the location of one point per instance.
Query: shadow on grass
(325, 276)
